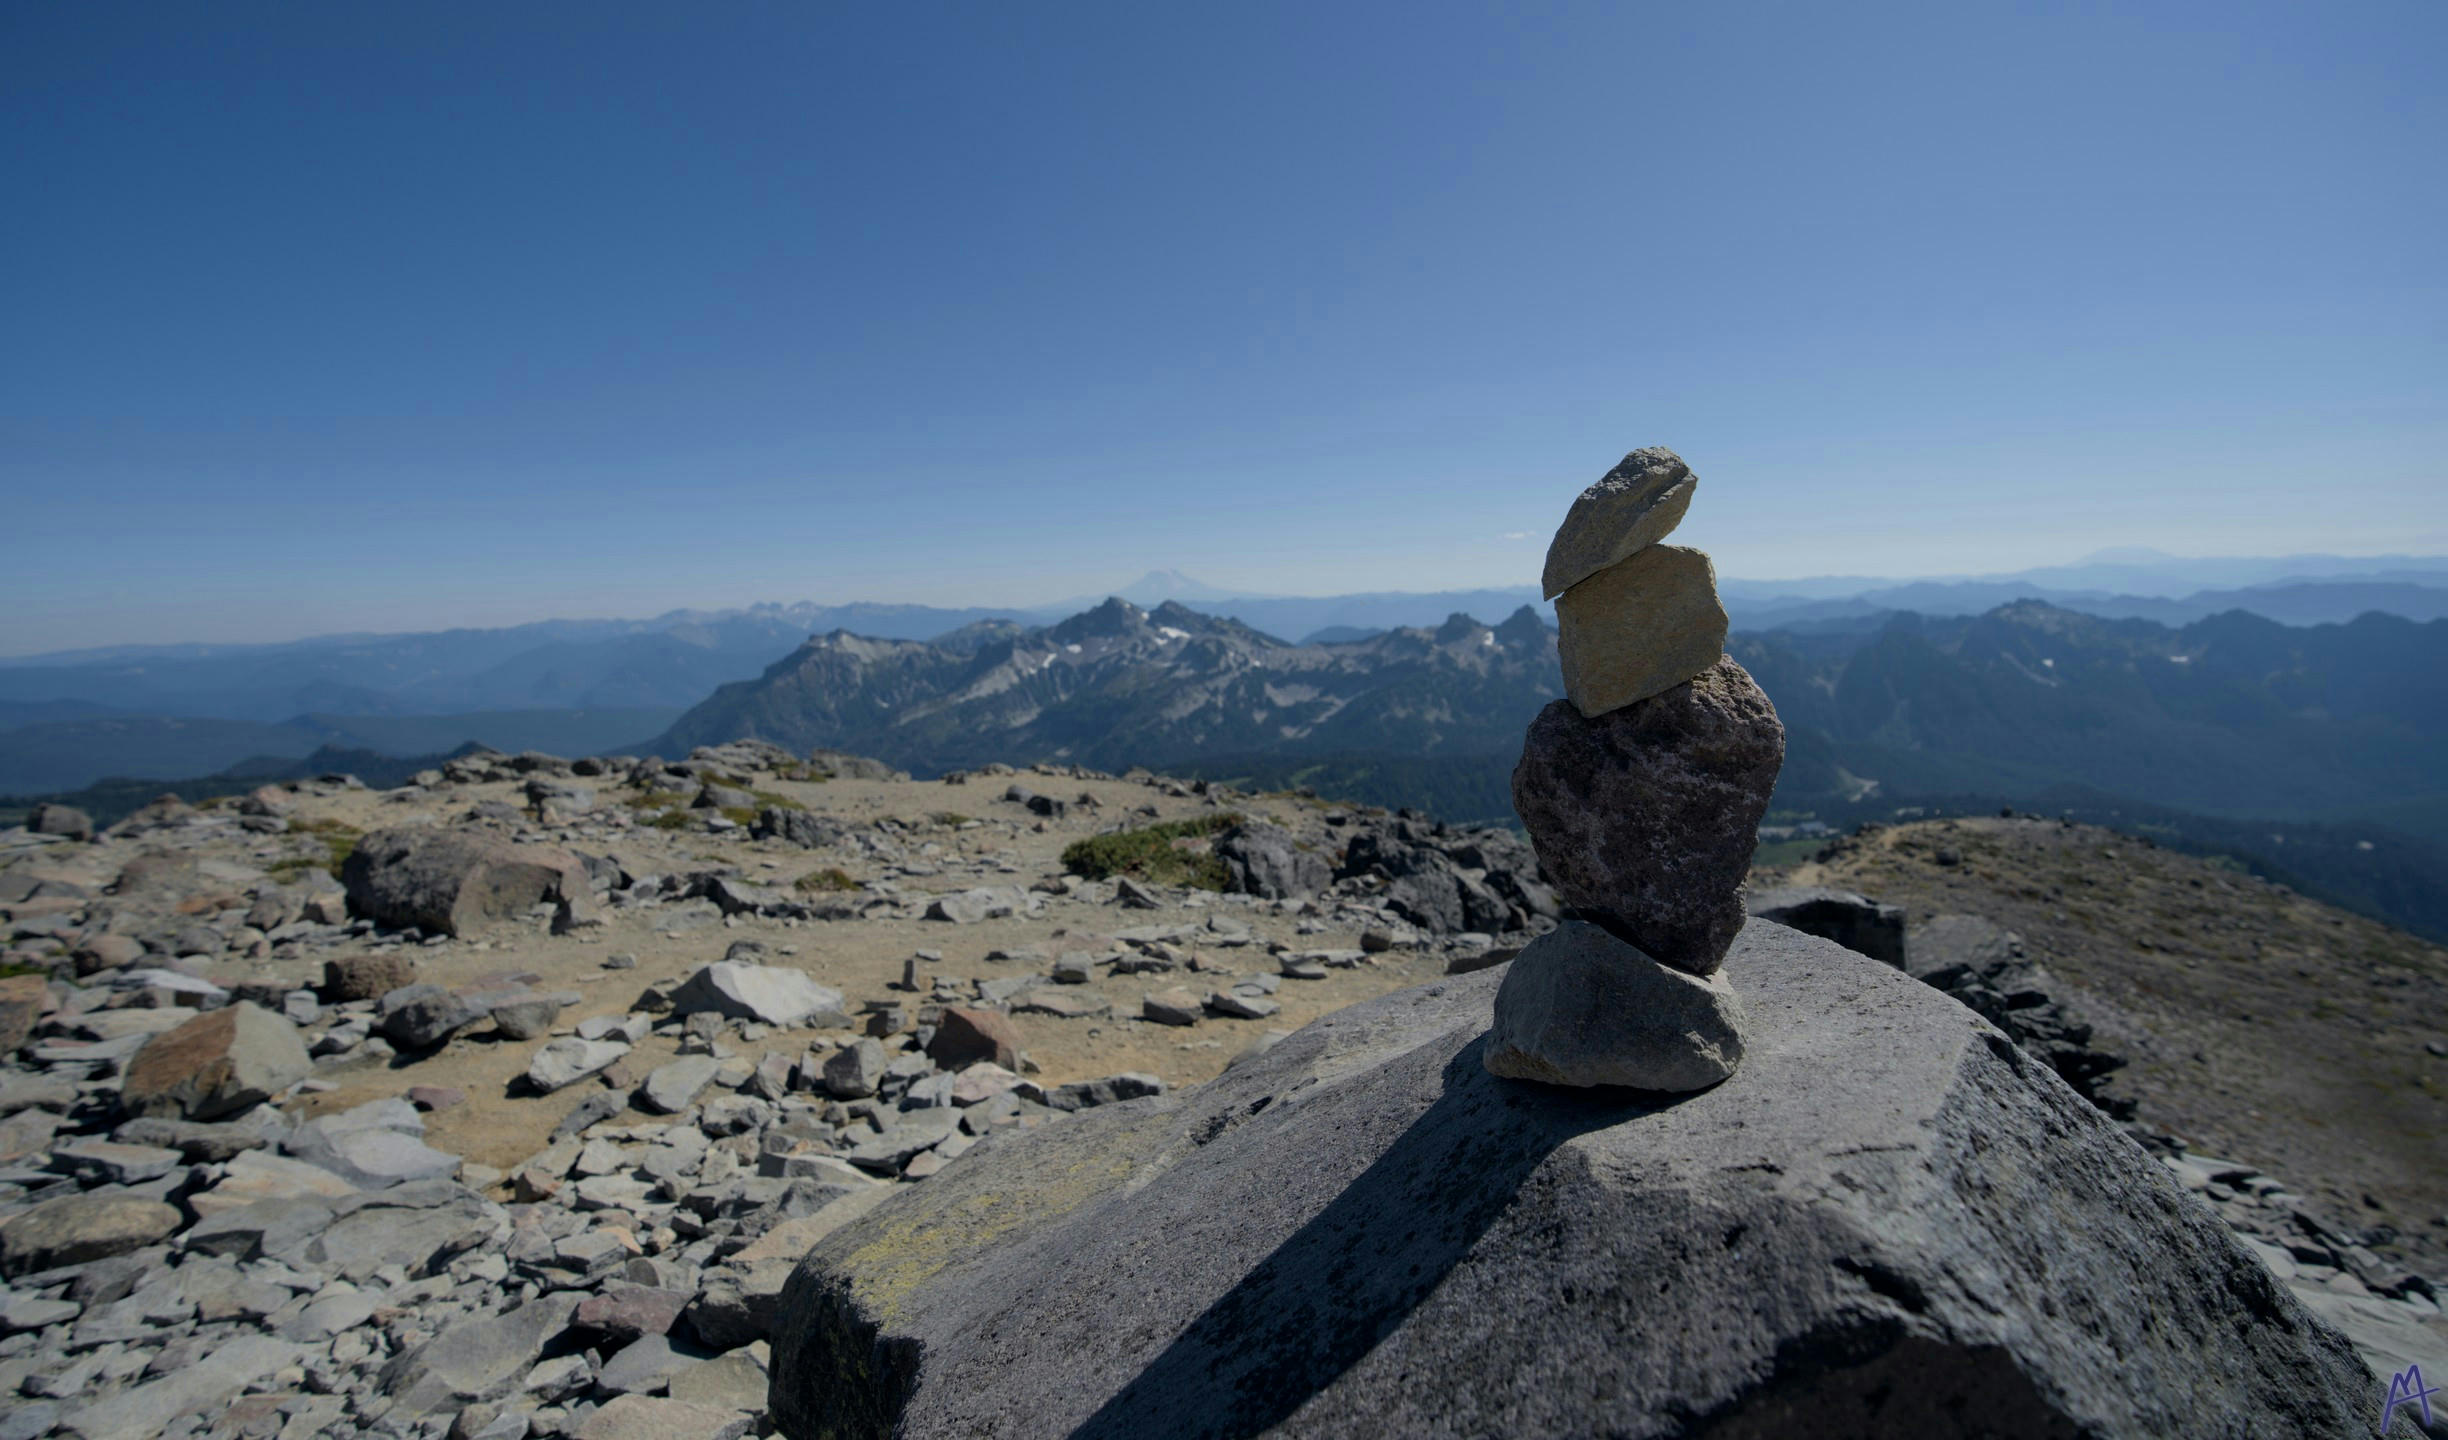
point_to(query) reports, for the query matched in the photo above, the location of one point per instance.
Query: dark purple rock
(1645, 817)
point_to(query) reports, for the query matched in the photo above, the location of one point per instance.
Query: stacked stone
(1642, 791)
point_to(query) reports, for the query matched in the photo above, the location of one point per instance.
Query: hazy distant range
(575, 686)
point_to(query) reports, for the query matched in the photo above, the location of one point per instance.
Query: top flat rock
(1889, 1221)
(1637, 504)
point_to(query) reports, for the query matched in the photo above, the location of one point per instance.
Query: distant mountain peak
(1158, 586)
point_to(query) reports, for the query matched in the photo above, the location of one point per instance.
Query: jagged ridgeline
(1119, 686)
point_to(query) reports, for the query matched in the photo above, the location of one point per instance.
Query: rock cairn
(1642, 791)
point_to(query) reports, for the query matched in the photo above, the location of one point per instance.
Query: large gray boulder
(1889, 1221)
(455, 882)
(1269, 862)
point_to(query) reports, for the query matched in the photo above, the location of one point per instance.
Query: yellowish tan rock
(1638, 504)
(1639, 628)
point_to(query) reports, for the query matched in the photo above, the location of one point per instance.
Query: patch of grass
(1148, 854)
(656, 800)
(771, 801)
(339, 841)
(669, 820)
(953, 818)
(1779, 854)
(12, 970)
(829, 878)
(738, 814)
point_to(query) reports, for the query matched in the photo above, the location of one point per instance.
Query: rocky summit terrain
(2288, 1060)
(501, 1102)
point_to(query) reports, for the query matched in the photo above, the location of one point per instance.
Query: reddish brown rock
(217, 1064)
(367, 977)
(23, 999)
(630, 1311)
(965, 1036)
(1645, 818)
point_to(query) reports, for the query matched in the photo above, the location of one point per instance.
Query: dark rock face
(803, 828)
(1445, 880)
(1887, 1222)
(450, 882)
(1856, 922)
(1986, 968)
(1645, 817)
(1266, 861)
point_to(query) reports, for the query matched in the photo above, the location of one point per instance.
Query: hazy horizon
(1223, 593)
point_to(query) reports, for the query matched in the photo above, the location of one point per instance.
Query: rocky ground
(2243, 1021)
(519, 1130)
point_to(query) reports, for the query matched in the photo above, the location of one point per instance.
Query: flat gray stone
(201, 1388)
(1888, 1222)
(1635, 505)
(374, 1146)
(1580, 1007)
(672, 1088)
(478, 1360)
(568, 1060)
(75, 1229)
(770, 994)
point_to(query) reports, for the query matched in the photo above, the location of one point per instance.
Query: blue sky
(382, 317)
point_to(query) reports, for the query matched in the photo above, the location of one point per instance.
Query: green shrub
(338, 842)
(1148, 854)
(829, 878)
(669, 820)
(771, 801)
(953, 818)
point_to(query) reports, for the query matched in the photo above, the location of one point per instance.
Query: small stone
(1238, 1006)
(569, 1060)
(771, 994)
(52, 818)
(1645, 818)
(1065, 1002)
(526, 1016)
(736, 1381)
(980, 1083)
(113, 1163)
(964, 1036)
(1170, 1007)
(368, 977)
(672, 1088)
(1637, 504)
(219, 1063)
(23, 999)
(855, 1070)
(650, 1417)
(1580, 1007)
(436, 1097)
(631, 1311)
(75, 1229)
(1639, 628)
